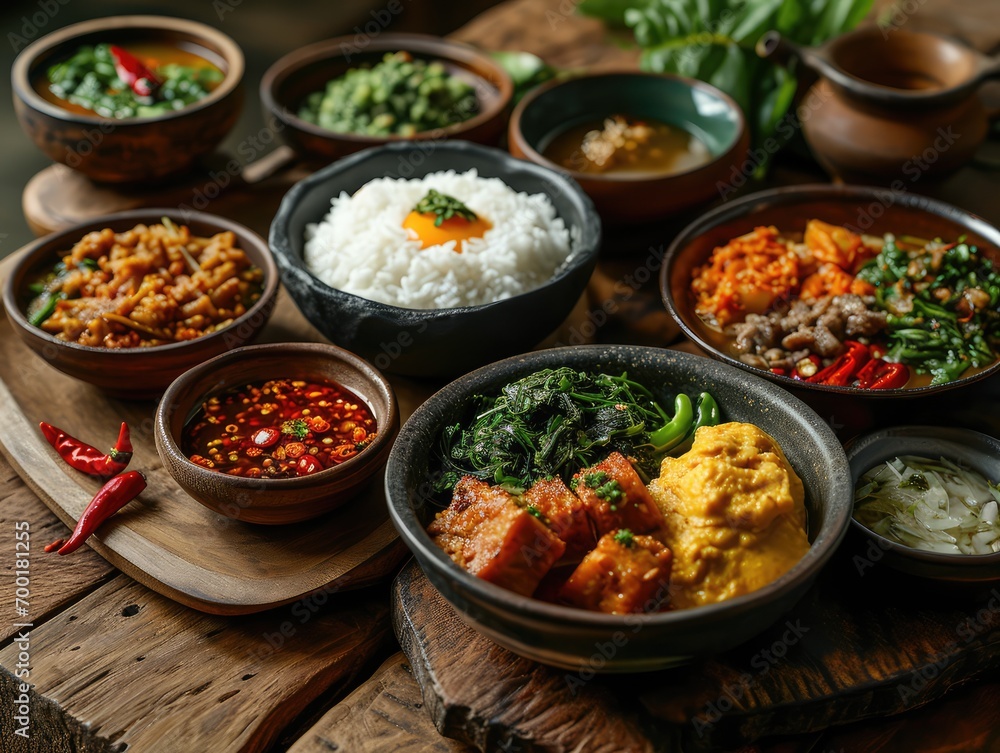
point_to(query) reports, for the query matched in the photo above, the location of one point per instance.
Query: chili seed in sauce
(279, 429)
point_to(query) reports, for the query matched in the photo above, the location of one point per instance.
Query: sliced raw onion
(934, 505)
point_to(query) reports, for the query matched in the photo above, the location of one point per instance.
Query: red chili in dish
(280, 428)
(134, 73)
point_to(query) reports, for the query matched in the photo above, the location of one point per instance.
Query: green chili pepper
(673, 433)
(708, 412)
(47, 309)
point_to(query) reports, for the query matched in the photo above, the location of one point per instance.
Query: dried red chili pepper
(54, 545)
(110, 498)
(883, 375)
(843, 370)
(133, 73)
(89, 459)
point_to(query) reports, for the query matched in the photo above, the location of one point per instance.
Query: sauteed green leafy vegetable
(943, 303)
(556, 421)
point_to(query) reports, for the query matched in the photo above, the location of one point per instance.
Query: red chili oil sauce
(280, 428)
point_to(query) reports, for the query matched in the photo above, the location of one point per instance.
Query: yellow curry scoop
(735, 514)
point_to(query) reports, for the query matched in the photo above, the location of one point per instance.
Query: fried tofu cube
(486, 532)
(564, 513)
(615, 497)
(624, 574)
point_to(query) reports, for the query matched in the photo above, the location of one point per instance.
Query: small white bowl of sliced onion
(928, 497)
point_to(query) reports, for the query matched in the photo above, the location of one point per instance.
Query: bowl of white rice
(431, 259)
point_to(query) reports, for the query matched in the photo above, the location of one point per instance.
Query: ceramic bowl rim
(402, 514)
(426, 44)
(73, 233)
(952, 433)
(742, 207)
(231, 53)
(542, 91)
(589, 244)
(285, 351)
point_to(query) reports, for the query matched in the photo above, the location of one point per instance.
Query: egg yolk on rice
(421, 225)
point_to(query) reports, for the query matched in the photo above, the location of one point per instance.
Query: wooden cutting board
(864, 642)
(167, 540)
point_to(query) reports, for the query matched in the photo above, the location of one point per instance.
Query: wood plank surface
(53, 581)
(485, 696)
(864, 642)
(127, 667)
(166, 539)
(385, 713)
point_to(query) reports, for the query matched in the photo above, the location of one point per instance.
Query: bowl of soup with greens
(129, 98)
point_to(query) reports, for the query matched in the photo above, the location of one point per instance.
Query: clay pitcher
(891, 106)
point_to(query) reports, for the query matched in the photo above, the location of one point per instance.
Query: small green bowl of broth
(129, 98)
(643, 146)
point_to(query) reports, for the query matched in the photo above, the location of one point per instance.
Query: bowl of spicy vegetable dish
(129, 301)
(277, 433)
(129, 98)
(841, 289)
(565, 498)
(334, 99)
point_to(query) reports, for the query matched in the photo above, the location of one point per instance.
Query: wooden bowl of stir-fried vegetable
(129, 98)
(926, 502)
(841, 289)
(131, 300)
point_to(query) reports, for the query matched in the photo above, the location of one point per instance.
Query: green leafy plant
(713, 41)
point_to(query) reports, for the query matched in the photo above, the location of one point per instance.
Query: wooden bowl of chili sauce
(277, 433)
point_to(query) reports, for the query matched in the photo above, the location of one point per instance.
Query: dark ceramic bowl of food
(288, 83)
(442, 341)
(274, 501)
(135, 372)
(865, 210)
(966, 448)
(709, 117)
(564, 636)
(137, 149)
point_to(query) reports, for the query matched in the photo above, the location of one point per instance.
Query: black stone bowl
(567, 637)
(975, 450)
(433, 342)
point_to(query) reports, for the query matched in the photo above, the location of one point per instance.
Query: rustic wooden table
(115, 666)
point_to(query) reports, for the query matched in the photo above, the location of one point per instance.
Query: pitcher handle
(774, 47)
